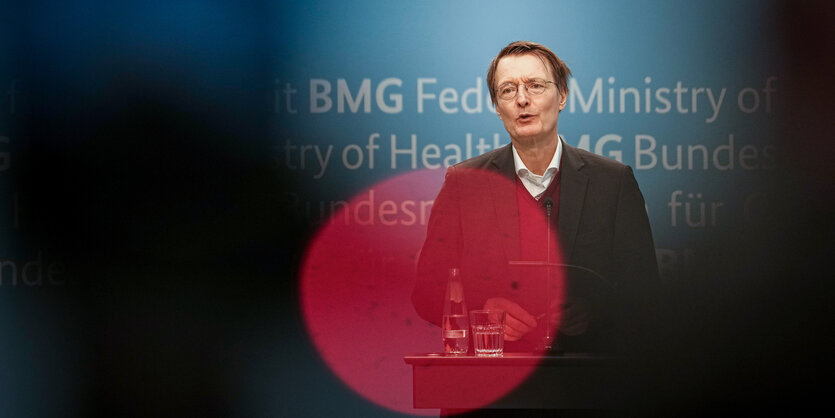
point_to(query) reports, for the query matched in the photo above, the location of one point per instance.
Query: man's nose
(522, 96)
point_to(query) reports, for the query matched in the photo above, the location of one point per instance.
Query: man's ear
(563, 100)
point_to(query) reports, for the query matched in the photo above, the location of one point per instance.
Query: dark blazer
(602, 229)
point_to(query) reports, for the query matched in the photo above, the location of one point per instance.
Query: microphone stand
(548, 341)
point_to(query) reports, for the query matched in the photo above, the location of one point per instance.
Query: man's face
(528, 117)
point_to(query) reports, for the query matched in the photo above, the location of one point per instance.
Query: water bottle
(456, 326)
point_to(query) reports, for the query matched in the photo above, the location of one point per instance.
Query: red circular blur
(355, 290)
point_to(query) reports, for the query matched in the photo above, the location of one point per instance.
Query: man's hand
(518, 321)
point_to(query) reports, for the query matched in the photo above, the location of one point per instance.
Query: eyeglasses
(535, 87)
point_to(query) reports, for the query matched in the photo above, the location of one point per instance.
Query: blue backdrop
(688, 94)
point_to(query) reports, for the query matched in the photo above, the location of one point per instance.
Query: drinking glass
(488, 332)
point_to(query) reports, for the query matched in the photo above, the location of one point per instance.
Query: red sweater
(530, 290)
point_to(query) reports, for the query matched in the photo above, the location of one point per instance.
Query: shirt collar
(554, 166)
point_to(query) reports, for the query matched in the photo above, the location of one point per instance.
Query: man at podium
(541, 229)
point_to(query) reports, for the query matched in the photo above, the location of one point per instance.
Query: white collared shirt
(536, 185)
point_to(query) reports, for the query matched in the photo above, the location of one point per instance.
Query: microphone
(549, 203)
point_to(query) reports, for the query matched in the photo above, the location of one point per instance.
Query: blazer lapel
(503, 193)
(572, 195)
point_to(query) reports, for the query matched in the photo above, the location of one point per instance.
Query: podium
(571, 381)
